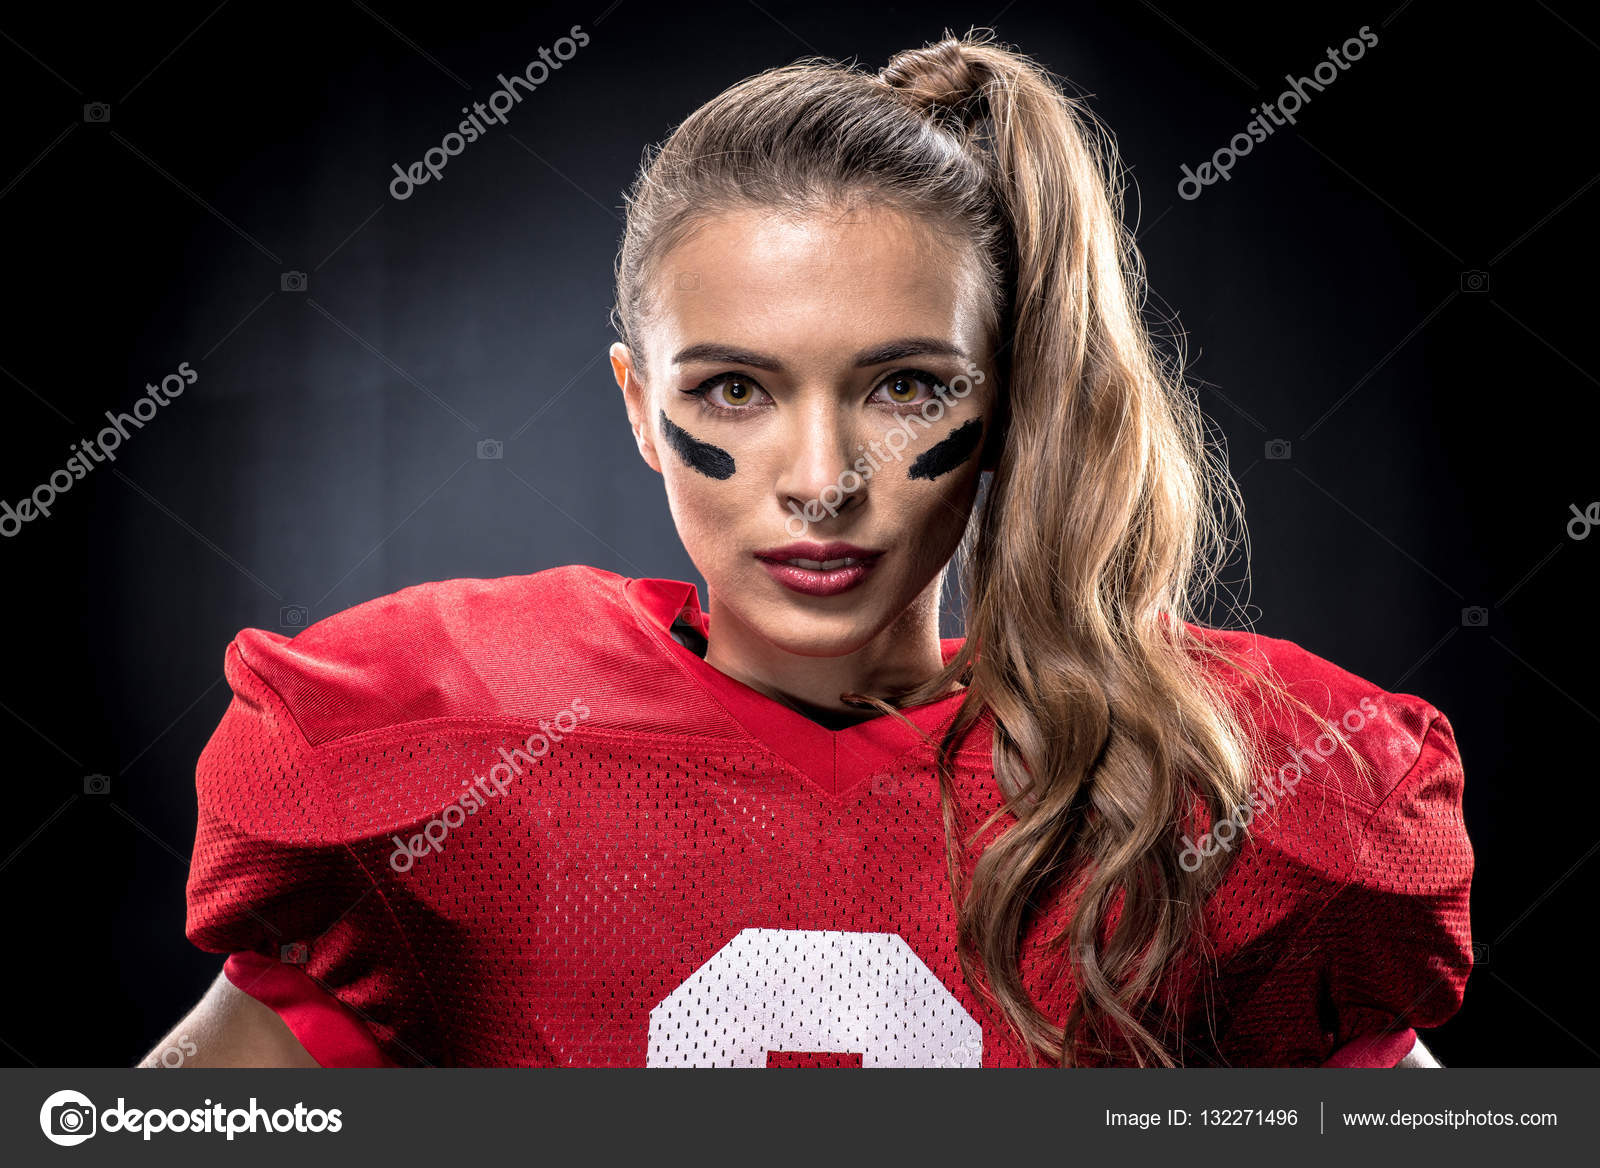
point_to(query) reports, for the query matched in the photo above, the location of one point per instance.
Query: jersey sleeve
(275, 886)
(1397, 934)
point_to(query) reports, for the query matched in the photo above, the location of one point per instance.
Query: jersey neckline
(835, 760)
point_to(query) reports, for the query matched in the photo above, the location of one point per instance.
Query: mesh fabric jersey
(515, 822)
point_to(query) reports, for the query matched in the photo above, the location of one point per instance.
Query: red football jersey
(517, 822)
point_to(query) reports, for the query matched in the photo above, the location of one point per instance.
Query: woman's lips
(819, 570)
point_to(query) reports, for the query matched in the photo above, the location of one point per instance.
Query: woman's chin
(808, 633)
(822, 640)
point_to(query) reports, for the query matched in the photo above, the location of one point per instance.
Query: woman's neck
(897, 659)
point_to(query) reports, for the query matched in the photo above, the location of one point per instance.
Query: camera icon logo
(97, 784)
(294, 616)
(97, 112)
(491, 448)
(1475, 281)
(294, 953)
(67, 1118)
(1476, 617)
(1278, 449)
(1480, 953)
(688, 281)
(292, 282)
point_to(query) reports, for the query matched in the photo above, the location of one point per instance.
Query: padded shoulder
(514, 647)
(1278, 686)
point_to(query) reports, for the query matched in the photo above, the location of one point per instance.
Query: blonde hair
(1106, 511)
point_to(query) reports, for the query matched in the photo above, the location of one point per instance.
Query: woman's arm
(229, 1028)
(1420, 1056)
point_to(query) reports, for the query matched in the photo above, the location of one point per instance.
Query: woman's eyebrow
(896, 350)
(726, 355)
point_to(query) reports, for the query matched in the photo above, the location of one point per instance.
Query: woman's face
(817, 397)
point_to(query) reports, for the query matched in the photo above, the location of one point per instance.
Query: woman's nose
(818, 467)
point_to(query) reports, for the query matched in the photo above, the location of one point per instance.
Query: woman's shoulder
(1331, 726)
(457, 648)
(1356, 792)
(1345, 914)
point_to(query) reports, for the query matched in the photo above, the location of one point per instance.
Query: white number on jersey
(801, 990)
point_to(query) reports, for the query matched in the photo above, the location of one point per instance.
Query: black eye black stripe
(711, 461)
(949, 452)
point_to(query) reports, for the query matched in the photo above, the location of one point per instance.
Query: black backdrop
(1399, 287)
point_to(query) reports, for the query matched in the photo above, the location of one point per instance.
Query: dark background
(1439, 431)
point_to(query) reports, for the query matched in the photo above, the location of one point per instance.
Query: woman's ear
(634, 397)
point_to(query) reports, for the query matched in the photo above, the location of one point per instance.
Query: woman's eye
(733, 391)
(728, 393)
(908, 387)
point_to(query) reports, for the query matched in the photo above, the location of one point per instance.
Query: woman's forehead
(830, 283)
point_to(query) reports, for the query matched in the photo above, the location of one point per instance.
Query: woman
(867, 322)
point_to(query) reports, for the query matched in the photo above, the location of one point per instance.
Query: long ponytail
(1105, 514)
(1101, 512)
